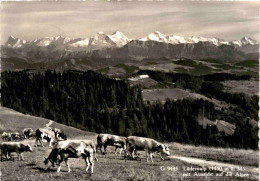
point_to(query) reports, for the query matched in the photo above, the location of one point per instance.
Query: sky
(32, 20)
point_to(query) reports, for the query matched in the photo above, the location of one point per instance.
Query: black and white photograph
(129, 90)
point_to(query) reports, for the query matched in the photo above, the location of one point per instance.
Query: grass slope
(108, 167)
(13, 121)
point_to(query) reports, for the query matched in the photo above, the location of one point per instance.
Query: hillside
(11, 121)
(92, 102)
(113, 167)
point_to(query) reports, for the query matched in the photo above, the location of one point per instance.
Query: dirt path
(253, 171)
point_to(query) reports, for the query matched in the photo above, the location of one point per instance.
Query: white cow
(104, 140)
(8, 147)
(135, 143)
(71, 149)
(6, 136)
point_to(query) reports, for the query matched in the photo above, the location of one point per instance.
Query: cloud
(29, 20)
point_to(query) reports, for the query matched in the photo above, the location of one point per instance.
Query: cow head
(28, 148)
(164, 149)
(61, 135)
(46, 163)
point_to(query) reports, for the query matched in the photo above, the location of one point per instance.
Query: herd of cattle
(63, 149)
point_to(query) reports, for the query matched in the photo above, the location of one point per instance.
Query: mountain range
(118, 46)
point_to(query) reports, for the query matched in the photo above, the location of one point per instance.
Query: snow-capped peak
(155, 36)
(247, 40)
(14, 42)
(80, 43)
(244, 41)
(11, 37)
(119, 38)
(100, 39)
(175, 39)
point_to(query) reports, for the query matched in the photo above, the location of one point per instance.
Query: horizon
(36, 20)
(111, 33)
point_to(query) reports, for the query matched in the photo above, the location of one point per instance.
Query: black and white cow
(16, 136)
(64, 150)
(151, 146)
(118, 146)
(44, 134)
(50, 134)
(8, 147)
(27, 132)
(104, 140)
(6, 136)
(59, 134)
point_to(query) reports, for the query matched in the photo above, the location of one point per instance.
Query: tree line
(93, 102)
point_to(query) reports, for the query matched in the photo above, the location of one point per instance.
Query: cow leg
(87, 163)
(2, 152)
(98, 147)
(21, 156)
(136, 153)
(161, 156)
(105, 149)
(151, 157)
(18, 154)
(91, 160)
(133, 153)
(7, 156)
(95, 154)
(115, 150)
(36, 142)
(147, 158)
(58, 170)
(50, 144)
(60, 161)
(41, 142)
(120, 151)
(67, 164)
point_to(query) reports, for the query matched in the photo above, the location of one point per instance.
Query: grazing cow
(71, 149)
(44, 133)
(16, 136)
(6, 136)
(8, 147)
(135, 143)
(110, 140)
(59, 134)
(118, 146)
(28, 132)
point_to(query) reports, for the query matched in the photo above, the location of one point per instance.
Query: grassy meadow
(109, 167)
(112, 167)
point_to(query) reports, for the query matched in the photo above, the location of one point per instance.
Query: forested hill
(92, 102)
